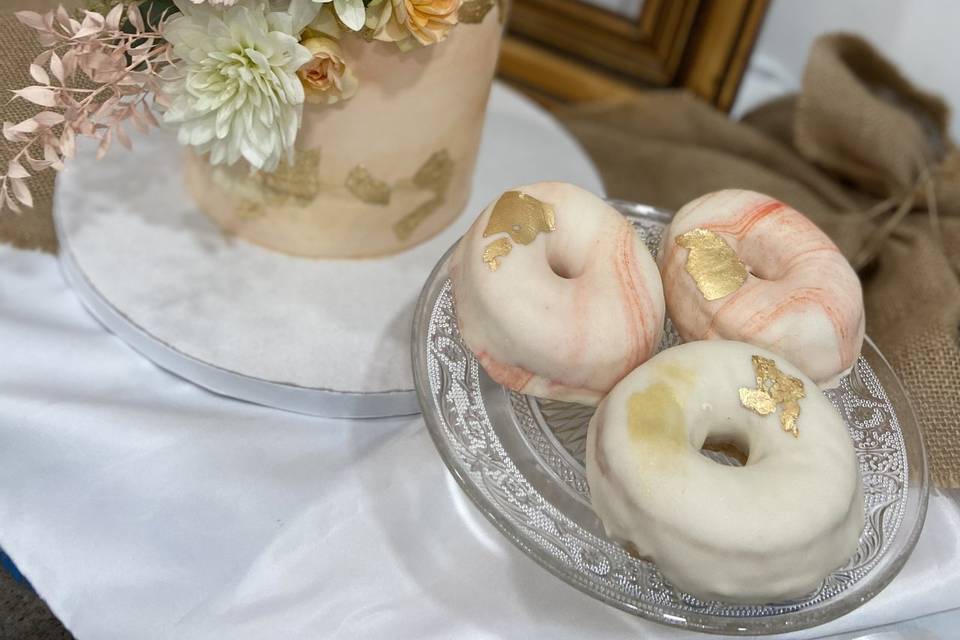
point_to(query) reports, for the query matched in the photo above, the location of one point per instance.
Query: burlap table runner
(858, 135)
(32, 229)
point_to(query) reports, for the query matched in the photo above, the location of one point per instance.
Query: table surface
(141, 506)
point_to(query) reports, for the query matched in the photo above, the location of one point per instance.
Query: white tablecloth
(140, 506)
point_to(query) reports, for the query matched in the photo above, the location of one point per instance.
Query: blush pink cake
(380, 172)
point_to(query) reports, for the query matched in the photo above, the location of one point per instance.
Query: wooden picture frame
(569, 51)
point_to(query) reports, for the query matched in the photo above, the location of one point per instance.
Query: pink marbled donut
(801, 299)
(565, 313)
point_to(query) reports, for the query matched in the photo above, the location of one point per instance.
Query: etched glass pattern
(521, 459)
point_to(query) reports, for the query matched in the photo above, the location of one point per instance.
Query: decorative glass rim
(495, 417)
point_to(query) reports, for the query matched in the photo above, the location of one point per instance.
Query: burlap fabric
(30, 230)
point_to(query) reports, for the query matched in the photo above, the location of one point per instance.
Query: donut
(555, 293)
(768, 531)
(739, 265)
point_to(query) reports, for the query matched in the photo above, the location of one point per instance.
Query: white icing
(768, 531)
(801, 300)
(568, 338)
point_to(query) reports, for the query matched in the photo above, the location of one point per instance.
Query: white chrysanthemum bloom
(235, 92)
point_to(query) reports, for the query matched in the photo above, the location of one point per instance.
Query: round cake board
(323, 337)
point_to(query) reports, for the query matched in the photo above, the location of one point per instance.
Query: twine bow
(901, 206)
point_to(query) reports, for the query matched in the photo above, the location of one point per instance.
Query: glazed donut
(767, 531)
(555, 293)
(739, 265)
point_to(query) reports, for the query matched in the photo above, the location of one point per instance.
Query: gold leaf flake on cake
(774, 388)
(299, 181)
(474, 11)
(434, 176)
(296, 184)
(521, 216)
(712, 264)
(366, 188)
(496, 250)
(405, 227)
(249, 210)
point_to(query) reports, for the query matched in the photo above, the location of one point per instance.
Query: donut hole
(564, 266)
(761, 266)
(726, 451)
(756, 272)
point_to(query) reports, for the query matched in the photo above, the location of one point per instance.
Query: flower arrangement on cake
(334, 128)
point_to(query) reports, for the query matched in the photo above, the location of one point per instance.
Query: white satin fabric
(141, 506)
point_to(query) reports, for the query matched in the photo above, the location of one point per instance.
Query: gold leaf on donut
(774, 388)
(522, 216)
(788, 417)
(712, 264)
(496, 250)
(758, 400)
(655, 417)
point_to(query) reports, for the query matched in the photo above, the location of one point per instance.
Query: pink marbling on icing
(801, 299)
(565, 338)
(505, 374)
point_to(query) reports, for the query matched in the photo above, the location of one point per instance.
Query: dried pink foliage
(119, 83)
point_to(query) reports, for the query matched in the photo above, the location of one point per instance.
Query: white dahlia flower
(234, 91)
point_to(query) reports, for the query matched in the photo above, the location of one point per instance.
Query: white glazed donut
(767, 531)
(556, 294)
(739, 265)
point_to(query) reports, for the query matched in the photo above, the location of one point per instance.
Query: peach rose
(383, 24)
(427, 20)
(326, 77)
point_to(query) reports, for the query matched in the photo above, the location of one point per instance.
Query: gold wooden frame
(566, 50)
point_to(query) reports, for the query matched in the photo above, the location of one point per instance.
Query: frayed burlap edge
(31, 229)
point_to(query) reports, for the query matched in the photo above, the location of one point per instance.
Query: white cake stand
(324, 337)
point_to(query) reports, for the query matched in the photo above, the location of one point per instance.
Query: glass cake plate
(521, 460)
